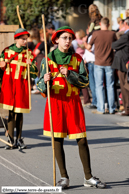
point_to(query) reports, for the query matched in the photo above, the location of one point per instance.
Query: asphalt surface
(109, 150)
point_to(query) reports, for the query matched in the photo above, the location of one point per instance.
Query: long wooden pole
(28, 66)
(6, 142)
(49, 104)
(6, 133)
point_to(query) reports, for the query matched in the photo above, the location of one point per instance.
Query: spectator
(90, 59)
(121, 58)
(95, 17)
(121, 31)
(2, 23)
(33, 43)
(33, 39)
(80, 43)
(80, 49)
(102, 40)
(120, 21)
(51, 30)
(74, 42)
(127, 13)
(41, 47)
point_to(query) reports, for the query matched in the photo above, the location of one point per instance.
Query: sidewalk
(123, 124)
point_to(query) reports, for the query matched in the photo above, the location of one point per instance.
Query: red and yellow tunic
(14, 90)
(67, 112)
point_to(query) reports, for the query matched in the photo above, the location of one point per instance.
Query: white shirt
(89, 56)
(74, 44)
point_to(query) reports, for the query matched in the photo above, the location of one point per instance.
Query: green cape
(59, 57)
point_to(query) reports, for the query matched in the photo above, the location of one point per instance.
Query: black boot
(15, 144)
(7, 147)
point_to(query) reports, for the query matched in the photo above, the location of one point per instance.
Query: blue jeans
(99, 72)
(92, 83)
(36, 80)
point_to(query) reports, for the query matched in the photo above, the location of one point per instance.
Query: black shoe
(20, 144)
(125, 114)
(114, 112)
(15, 146)
(7, 147)
(91, 106)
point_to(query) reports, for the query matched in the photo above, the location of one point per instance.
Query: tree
(31, 10)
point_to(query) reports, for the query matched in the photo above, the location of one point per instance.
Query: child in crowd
(95, 17)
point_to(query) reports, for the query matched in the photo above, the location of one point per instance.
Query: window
(119, 4)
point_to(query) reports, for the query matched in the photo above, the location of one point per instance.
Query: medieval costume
(14, 89)
(67, 112)
(65, 95)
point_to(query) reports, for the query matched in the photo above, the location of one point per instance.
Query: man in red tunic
(14, 90)
(67, 75)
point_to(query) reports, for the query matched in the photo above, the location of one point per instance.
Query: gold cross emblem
(57, 87)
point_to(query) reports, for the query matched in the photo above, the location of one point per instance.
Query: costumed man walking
(67, 75)
(14, 90)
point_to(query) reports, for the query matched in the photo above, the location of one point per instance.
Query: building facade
(113, 9)
(78, 17)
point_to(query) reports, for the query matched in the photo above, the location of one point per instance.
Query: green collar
(16, 49)
(59, 57)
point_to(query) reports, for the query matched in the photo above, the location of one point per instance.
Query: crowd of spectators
(106, 59)
(105, 55)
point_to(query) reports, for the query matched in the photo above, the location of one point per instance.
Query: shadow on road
(109, 185)
(46, 141)
(118, 183)
(104, 128)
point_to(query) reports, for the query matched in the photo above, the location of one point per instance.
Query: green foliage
(31, 11)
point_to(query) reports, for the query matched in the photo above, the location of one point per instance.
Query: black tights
(83, 152)
(11, 124)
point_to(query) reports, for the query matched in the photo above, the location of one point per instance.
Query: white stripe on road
(22, 173)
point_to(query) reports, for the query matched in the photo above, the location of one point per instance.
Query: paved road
(109, 150)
